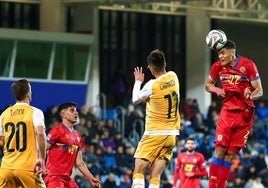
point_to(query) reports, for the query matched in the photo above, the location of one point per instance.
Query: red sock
(225, 175)
(215, 173)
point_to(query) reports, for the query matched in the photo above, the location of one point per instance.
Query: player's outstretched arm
(80, 164)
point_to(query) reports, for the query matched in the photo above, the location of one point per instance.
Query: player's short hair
(20, 88)
(189, 138)
(229, 45)
(66, 105)
(156, 59)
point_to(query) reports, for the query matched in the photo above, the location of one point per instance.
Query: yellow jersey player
(23, 140)
(162, 121)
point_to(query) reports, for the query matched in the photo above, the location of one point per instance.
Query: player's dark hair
(20, 89)
(156, 59)
(189, 138)
(229, 45)
(66, 105)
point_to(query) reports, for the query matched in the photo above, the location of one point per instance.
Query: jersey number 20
(15, 135)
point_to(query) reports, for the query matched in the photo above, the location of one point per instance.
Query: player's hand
(40, 167)
(219, 92)
(247, 93)
(95, 183)
(222, 93)
(138, 74)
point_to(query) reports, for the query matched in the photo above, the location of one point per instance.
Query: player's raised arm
(137, 96)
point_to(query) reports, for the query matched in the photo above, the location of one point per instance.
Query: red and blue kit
(237, 111)
(65, 144)
(193, 163)
(234, 81)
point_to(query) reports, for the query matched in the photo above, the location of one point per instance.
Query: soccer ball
(216, 39)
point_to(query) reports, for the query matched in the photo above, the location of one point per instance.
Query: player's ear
(233, 51)
(62, 113)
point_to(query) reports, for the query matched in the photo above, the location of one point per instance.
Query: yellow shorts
(156, 147)
(19, 178)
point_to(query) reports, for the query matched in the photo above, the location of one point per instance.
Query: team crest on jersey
(242, 69)
(194, 160)
(219, 137)
(78, 139)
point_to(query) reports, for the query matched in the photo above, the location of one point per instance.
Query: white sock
(153, 186)
(138, 183)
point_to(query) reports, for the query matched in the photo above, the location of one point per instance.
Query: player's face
(227, 56)
(190, 146)
(71, 114)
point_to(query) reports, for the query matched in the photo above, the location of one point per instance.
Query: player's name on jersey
(167, 84)
(17, 112)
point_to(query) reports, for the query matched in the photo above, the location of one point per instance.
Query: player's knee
(231, 153)
(220, 151)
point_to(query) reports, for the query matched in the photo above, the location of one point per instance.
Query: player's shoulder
(182, 154)
(59, 128)
(199, 154)
(217, 64)
(62, 128)
(37, 110)
(245, 60)
(171, 74)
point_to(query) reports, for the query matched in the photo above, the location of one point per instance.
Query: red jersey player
(241, 84)
(63, 144)
(191, 166)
